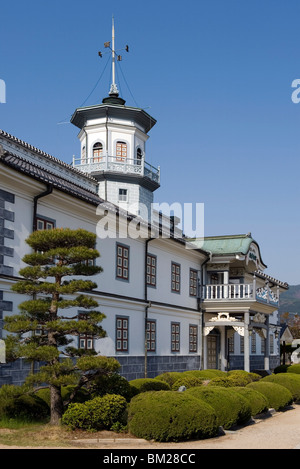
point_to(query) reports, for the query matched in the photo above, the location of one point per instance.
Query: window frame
(193, 279)
(97, 152)
(46, 221)
(124, 148)
(120, 199)
(82, 315)
(175, 337)
(193, 338)
(122, 266)
(151, 335)
(175, 265)
(152, 258)
(122, 339)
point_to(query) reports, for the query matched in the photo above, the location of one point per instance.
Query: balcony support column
(246, 343)
(223, 348)
(205, 352)
(267, 347)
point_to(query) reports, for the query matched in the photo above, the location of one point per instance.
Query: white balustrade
(120, 165)
(242, 291)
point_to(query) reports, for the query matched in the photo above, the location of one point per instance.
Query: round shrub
(26, 407)
(294, 369)
(224, 382)
(231, 408)
(111, 384)
(169, 377)
(206, 374)
(245, 375)
(171, 416)
(97, 414)
(258, 402)
(277, 395)
(288, 380)
(188, 382)
(148, 384)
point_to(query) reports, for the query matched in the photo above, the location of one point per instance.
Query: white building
(167, 307)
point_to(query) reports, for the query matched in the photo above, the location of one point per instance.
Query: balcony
(118, 165)
(234, 293)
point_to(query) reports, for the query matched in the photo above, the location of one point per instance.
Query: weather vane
(113, 89)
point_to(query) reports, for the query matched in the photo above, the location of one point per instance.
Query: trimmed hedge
(246, 375)
(294, 369)
(288, 380)
(258, 402)
(17, 403)
(169, 377)
(231, 408)
(97, 414)
(148, 384)
(205, 374)
(188, 382)
(278, 396)
(171, 416)
(27, 407)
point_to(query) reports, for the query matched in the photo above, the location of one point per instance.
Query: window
(122, 334)
(85, 341)
(151, 270)
(175, 273)
(242, 344)
(175, 337)
(122, 262)
(151, 336)
(44, 224)
(231, 344)
(263, 345)
(193, 338)
(139, 157)
(123, 195)
(97, 152)
(271, 343)
(253, 342)
(193, 282)
(121, 151)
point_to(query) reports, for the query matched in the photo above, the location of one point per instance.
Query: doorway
(213, 351)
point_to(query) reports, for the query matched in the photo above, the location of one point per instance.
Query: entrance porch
(219, 329)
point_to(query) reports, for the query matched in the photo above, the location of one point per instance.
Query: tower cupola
(113, 140)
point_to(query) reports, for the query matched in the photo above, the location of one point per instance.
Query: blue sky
(216, 74)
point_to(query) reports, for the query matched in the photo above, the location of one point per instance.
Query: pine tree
(58, 257)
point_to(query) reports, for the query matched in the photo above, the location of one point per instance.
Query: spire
(113, 97)
(113, 88)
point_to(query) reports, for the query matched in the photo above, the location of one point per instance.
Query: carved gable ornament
(254, 256)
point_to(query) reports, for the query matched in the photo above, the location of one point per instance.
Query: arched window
(139, 157)
(121, 151)
(97, 152)
(83, 155)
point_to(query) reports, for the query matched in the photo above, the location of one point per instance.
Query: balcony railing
(119, 165)
(242, 291)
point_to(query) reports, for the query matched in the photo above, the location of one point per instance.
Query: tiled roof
(37, 172)
(27, 146)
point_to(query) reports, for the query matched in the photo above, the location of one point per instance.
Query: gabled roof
(228, 244)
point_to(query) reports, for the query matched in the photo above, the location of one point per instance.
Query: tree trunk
(56, 405)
